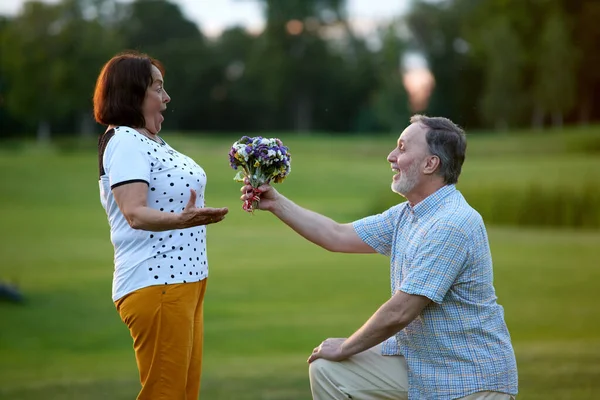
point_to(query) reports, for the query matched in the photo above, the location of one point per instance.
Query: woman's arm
(132, 201)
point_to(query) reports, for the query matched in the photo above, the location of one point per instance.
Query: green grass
(273, 296)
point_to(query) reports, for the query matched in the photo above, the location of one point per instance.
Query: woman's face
(155, 102)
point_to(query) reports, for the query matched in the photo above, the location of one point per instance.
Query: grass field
(273, 296)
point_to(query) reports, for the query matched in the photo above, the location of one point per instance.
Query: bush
(580, 144)
(527, 205)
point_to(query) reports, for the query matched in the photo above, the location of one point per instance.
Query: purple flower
(261, 152)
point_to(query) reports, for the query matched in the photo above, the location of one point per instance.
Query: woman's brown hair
(121, 89)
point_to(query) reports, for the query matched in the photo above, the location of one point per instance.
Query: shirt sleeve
(378, 230)
(125, 161)
(439, 260)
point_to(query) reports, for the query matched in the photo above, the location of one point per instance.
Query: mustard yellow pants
(166, 324)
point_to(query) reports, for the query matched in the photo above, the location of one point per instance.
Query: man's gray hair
(448, 142)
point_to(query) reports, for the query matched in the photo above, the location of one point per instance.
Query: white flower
(238, 147)
(242, 152)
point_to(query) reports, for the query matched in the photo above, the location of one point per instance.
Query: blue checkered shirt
(439, 249)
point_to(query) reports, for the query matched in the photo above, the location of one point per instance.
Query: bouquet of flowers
(261, 160)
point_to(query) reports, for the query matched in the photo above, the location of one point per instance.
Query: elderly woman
(154, 199)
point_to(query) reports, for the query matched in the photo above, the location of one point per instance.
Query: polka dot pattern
(176, 256)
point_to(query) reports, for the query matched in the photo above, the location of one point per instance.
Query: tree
(503, 98)
(29, 49)
(85, 41)
(295, 60)
(160, 29)
(156, 23)
(391, 103)
(440, 31)
(235, 100)
(8, 125)
(53, 55)
(556, 60)
(583, 16)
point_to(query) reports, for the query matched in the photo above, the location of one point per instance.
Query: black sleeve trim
(129, 181)
(102, 143)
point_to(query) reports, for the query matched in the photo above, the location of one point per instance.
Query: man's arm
(389, 319)
(317, 228)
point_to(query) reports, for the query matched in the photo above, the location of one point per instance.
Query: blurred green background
(519, 76)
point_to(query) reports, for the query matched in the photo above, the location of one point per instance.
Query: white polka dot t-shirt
(144, 258)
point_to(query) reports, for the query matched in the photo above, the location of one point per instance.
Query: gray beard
(407, 181)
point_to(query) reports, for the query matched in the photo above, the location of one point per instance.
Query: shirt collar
(432, 201)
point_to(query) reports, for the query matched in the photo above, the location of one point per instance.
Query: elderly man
(441, 335)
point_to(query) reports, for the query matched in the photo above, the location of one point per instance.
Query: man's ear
(431, 165)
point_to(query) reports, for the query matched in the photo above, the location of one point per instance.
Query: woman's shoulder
(118, 142)
(126, 134)
(125, 130)
(123, 138)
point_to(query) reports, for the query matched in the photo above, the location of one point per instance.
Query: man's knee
(323, 371)
(320, 369)
(324, 380)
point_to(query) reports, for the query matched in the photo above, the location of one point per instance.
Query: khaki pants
(166, 324)
(369, 376)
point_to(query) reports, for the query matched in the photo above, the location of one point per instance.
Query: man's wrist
(276, 204)
(345, 351)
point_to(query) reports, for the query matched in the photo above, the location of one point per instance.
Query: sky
(213, 16)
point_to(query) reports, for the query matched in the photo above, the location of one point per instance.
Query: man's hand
(393, 316)
(267, 194)
(330, 349)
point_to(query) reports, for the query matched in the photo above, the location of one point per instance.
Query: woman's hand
(266, 193)
(194, 216)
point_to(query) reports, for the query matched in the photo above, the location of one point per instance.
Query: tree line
(497, 64)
